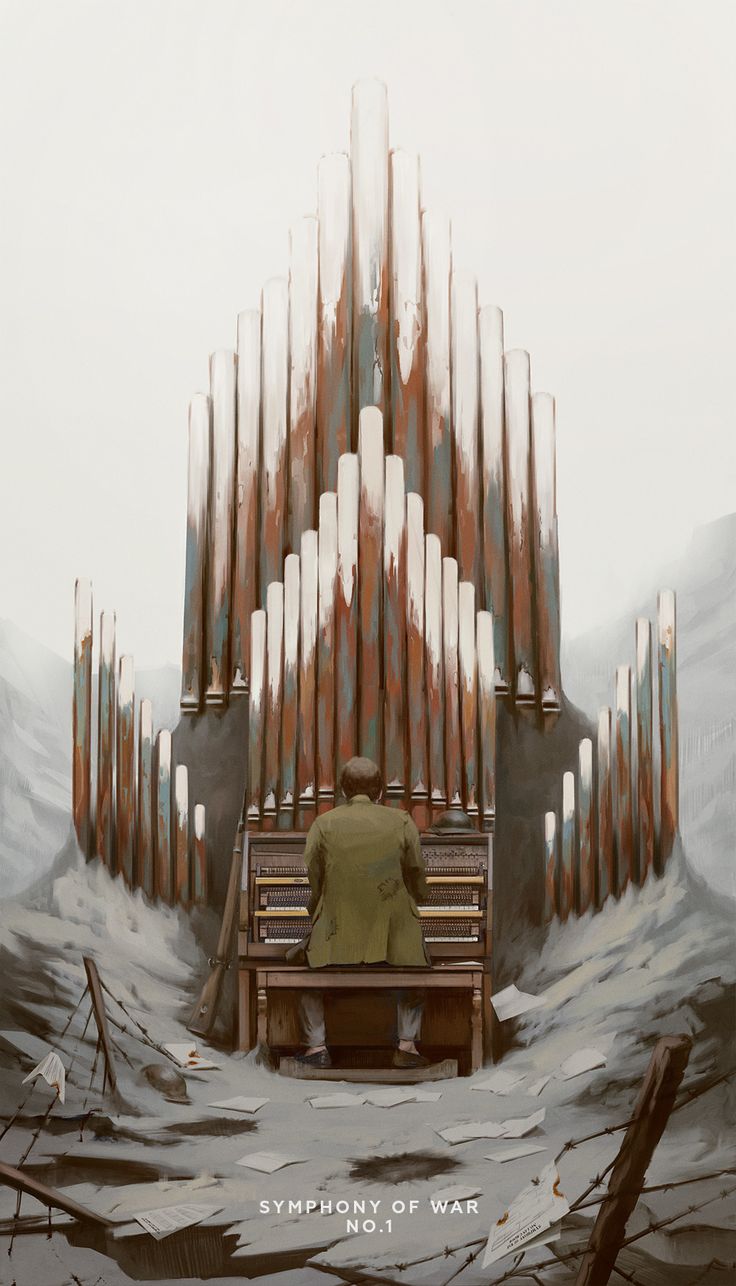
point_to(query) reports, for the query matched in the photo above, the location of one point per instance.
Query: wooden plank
(394, 629)
(447, 1069)
(98, 1008)
(82, 716)
(106, 710)
(125, 767)
(303, 380)
(644, 744)
(669, 786)
(223, 386)
(245, 572)
(468, 683)
(182, 888)
(199, 857)
(551, 866)
(434, 670)
(369, 158)
(204, 1014)
(290, 693)
(437, 259)
(193, 677)
(464, 331)
(21, 1181)
(346, 677)
(493, 450)
(416, 704)
(274, 398)
(163, 816)
(326, 648)
(546, 551)
(144, 867)
(407, 347)
(487, 672)
(306, 770)
(274, 696)
(586, 866)
(450, 627)
(256, 718)
(334, 348)
(650, 1116)
(370, 563)
(566, 888)
(622, 818)
(516, 394)
(607, 874)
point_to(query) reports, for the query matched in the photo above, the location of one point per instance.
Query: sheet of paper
(583, 1060)
(387, 1098)
(161, 1223)
(427, 1096)
(337, 1100)
(536, 1089)
(513, 1153)
(240, 1103)
(511, 1002)
(268, 1162)
(521, 1125)
(189, 1057)
(500, 1082)
(456, 1193)
(531, 1214)
(472, 1130)
(52, 1070)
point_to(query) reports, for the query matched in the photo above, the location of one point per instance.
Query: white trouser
(409, 1010)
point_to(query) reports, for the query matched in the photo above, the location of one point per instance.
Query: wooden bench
(453, 1015)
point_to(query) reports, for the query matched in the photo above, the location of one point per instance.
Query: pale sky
(153, 155)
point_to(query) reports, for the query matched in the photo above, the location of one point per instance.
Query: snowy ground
(660, 963)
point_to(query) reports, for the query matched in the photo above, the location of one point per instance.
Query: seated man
(366, 873)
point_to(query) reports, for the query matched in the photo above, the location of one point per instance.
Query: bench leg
(476, 1031)
(246, 1009)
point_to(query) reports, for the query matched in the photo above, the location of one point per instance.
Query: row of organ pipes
(130, 809)
(615, 826)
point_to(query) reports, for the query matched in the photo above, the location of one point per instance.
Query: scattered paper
(521, 1125)
(189, 1185)
(500, 1082)
(536, 1089)
(267, 1162)
(240, 1103)
(511, 1002)
(473, 1130)
(456, 1193)
(530, 1215)
(392, 1097)
(52, 1070)
(161, 1223)
(583, 1060)
(187, 1056)
(337, 1100)
(513, 1154)
(427, 1096)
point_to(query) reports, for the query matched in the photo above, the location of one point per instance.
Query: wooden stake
(644, 775)
(125, 811)
(370, 562)
(623, 830)
(669, 786)
(468, 679)
(21, 1181)
(307, 734)
(182, 887)
(487, 717)
(464, 330)
(326, 650)
(394, 629)
(256, 718)
(650, 1116)
(490, 327)
(546, 551)
(348, 490)
(82, 716)
(416, 703)
(516, 389)
(335, 317)
(98, 1009)
(275, 680)
(551, 867)
(193, 673)
(245, 572)
(274, 397)
(223, 383)
(163, 816)
(303, 382)
(199, 858)
(369, 156)
(585, 884)
(450, 628)
(144, 868)
(407, 349)
(607, 873)
(106, 710)
(434, 670)
(566, 901)
(290, 697)
(438, 449)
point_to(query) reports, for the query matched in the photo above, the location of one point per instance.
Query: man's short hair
(361, 777)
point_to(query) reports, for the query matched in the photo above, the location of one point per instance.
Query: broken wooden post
(22, 1181)
(486, 718)
(438, 448)
(290, 694)
(223, 393)
(274, 690)
(407, 349)
(468, 683)
(607, 881)
(551, 867)
(649, 1118)
(394, 630)
(644, 774)
(464, 332)
(163, 815)
(106, 709)
(369, 158)
(623, 828)
(334, 350)
(306, 760)
(346, 669)
(669, 788)
(182, 888)
(453, 748)
(490, 334)
(144, 876)
(585, 883)
(516, 392)
(125, 766)
(193, 677)
(256, 718)
(247, 470)
(98, 1009)
(370, 578)
(434, 670)
(546, 551)
(199, 857)
(274, 399)
(326, 649)
(416, 709)
(82, 716)
(303, 379)
(566, 900)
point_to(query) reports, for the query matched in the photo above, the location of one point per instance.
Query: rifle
(204, 1013)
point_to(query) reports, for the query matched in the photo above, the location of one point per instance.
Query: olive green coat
(366, 872)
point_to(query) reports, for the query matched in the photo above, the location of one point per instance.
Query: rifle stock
(204, 1013)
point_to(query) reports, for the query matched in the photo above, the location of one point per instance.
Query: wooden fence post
(98, 1008)
(125, 811)
(437, 257)
(645, 787)
(106, 711)
(247, 530)
(407, 348)
(144, 876)
(490, 325)
(468, 683)
(327, 665)
(487, 718)
(369, 158)
(566, 902)
(649, 1118)
(546, 550)
(256, 718)
(394, 630)
(346, 670)
(586, 865)
(306, 770)
(334, 352)
(223, 385)
(274, 400)
(464, 332)
(551, 867)
(274, 689)
(669, 787)
(623, 828)
(163, 815)
(303, 382)
(182, 888)
(193, 669)
(434, 670)
(82, 716)
(370, 582)
(290, 696)
(516, 390)
(607, 881)
(416, 707)
(199, 858)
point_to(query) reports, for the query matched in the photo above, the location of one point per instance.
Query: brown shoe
(403, 1058)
